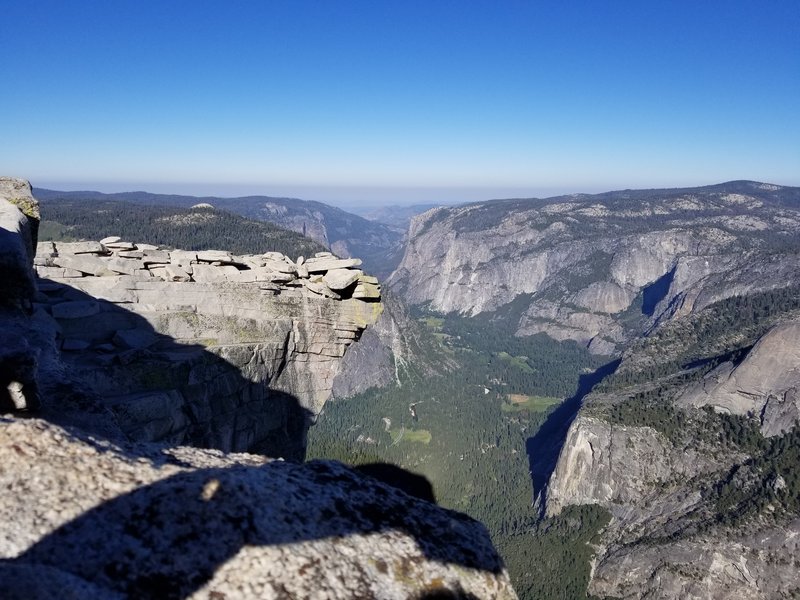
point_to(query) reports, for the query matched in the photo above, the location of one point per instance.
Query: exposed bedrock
(118, 345)
(668, 535)
(200, 348)
(602, 269)
(89, 519)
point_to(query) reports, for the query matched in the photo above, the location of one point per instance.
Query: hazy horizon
(346, 198)
(354, 196)
(364, 103)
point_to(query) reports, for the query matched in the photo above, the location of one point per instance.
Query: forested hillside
(347, 235)
(185, 228)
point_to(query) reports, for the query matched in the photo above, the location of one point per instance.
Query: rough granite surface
(83, 518)
(766, 383)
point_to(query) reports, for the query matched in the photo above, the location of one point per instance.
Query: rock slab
(107, 521)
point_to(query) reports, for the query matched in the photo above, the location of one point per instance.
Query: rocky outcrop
(747, 566)
(84, 518)
(765, 384)
(661, 467)
(19, 224)
(656, 545)
(606, 268)
(597, 330)
(19, 358)
(614, 465)
(204, 348)
(604, 297)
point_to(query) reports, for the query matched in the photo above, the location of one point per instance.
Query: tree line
(188, 229)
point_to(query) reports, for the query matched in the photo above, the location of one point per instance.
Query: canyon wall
(203, 348)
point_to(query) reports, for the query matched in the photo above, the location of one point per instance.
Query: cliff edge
(202, 348)
(133, 356)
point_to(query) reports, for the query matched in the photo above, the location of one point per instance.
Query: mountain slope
(603, 268)
(693, 446)
(191, 229)
(345, 234)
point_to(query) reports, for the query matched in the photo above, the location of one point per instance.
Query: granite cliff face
(18, 234)
(393, 346)
(765, 384)
(602, 269)
(203, 348)
(693, 467)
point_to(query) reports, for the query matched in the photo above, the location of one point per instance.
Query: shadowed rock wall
(202, 348)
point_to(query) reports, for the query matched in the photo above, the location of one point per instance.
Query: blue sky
(386, 102)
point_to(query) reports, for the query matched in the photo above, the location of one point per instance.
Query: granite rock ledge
(141, 343)
(204, 348)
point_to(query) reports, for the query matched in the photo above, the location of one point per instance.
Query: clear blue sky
(398, 101)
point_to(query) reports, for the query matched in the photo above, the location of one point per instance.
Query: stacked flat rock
(145, 325)
(323, 274)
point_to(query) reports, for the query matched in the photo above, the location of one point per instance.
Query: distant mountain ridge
(346, 234)
(737, 186)
(201, 228)
(601, 268)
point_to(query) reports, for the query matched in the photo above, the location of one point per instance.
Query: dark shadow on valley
(412, 484)
(167, 539)
(735, 357)
(544, 447)
(654, 293)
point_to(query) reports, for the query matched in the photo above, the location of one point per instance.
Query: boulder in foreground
(89, 518)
